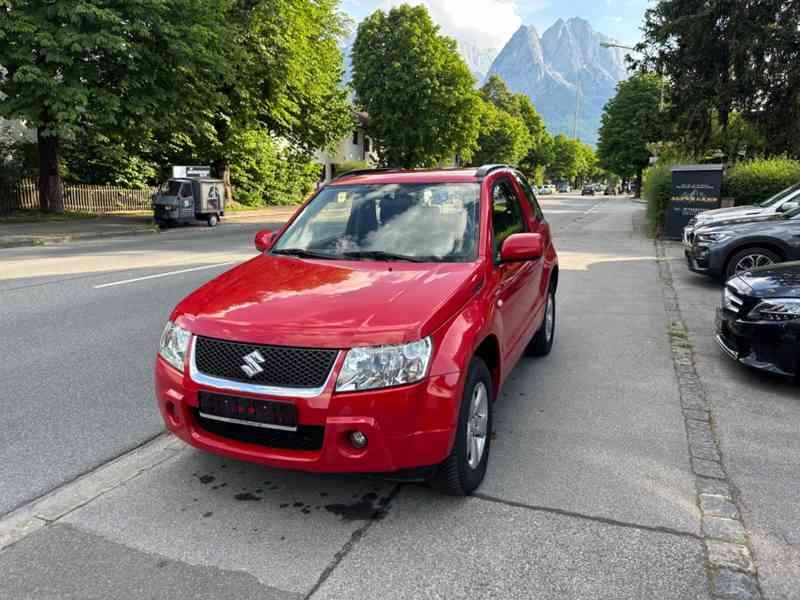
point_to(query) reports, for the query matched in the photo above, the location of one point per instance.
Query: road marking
(167, 274)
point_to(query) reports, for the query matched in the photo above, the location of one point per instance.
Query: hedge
(758, 179)
(657, 190)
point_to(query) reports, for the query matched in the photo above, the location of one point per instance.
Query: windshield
(422, 222)
(171, 188)
(780, 196)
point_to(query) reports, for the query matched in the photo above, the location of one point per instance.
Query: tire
(542, 342)
(212, 220)
(757, 257)
(461, 473)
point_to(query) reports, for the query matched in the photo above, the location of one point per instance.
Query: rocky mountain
(479, 60)
(564, 71)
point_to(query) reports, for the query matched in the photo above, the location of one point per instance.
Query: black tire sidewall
(472, 478)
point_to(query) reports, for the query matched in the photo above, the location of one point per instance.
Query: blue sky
(491, 22)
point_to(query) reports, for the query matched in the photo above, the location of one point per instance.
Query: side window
(507, 216)
(186, 190)
(530, 197)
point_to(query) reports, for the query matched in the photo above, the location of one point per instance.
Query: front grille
(282, 366)
(307, 437)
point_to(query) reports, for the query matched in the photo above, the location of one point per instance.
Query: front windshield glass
(424, 222)
(780, 196)
(171, 188)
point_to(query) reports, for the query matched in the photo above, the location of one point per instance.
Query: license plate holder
(267, 414)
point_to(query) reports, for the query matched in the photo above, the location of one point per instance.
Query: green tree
(631, 120)
(537, 154)
(285, 76)
(503, 138)
(722, 57)
(111, 64)
(416, 88)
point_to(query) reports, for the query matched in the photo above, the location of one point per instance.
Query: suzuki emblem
(253, 362)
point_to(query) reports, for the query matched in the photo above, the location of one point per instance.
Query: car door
(536, 224)
(515, 291)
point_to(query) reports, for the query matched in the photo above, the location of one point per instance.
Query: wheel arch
(489, 352)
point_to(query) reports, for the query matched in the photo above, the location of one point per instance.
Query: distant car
(758, 323)
(588, 190)
(564, 188)
(546, 190)
(726, 248)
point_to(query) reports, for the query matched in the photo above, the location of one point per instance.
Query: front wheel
(749, 259)
(463, 470)
(542, 342)
(213, 220)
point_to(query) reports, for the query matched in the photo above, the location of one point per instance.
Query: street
(590, 491)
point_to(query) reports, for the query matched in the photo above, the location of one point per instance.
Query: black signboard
(695, 189)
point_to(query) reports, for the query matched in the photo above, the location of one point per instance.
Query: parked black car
(758, 323)
(724, 248)
(588, 190)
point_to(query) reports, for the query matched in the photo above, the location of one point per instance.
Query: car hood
(728, 213)
(288, 301)
(777, 281)
(742, 219)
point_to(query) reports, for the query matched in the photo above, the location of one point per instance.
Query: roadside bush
(758, 179)
(657, 191)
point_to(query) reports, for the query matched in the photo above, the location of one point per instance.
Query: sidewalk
(59, 232)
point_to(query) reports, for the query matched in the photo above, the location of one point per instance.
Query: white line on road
(156, 276)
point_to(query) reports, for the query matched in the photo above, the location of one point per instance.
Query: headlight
(779, 309)
(384, 366)
(710, 237)
(731, 301)
(174, 344)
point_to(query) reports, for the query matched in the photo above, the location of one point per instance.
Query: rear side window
(507, 216)
(530, 197)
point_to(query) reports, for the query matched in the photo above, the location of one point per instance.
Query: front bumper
(406, 427)
(771, 347)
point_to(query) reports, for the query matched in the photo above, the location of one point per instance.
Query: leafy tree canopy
(416, 88)
(631, 120)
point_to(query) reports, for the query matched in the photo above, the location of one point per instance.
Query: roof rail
(363, 172)
(486, 169)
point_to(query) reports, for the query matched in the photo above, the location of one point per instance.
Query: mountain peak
(565, 63)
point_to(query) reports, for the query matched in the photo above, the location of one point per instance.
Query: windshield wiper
(381, 255)
(302, 253)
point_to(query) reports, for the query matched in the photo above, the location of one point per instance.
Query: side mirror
(789, 206)
(264, 240)
(521, 247)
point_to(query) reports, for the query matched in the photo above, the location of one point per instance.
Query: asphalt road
(76, 359)
(589, 493)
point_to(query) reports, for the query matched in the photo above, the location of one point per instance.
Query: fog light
(358, 439)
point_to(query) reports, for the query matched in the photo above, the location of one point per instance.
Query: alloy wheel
(477, 425)
(752, 261)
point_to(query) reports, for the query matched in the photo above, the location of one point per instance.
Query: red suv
(372, 333)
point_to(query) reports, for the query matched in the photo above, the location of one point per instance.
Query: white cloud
(486, 23)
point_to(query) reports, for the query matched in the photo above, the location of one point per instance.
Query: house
(355, 148)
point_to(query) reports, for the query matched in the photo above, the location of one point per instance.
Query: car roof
(401, 176)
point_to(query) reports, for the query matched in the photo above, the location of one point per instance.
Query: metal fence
(101, 199)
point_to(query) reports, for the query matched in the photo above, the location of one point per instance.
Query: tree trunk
(51, 198)
(222, 170)
(638, 184)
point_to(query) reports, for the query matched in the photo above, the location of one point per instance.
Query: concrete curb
(730, 562)
(51, 507)
(50, 240)
(55, 239)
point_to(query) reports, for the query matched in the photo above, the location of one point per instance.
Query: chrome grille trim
(250, 388)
